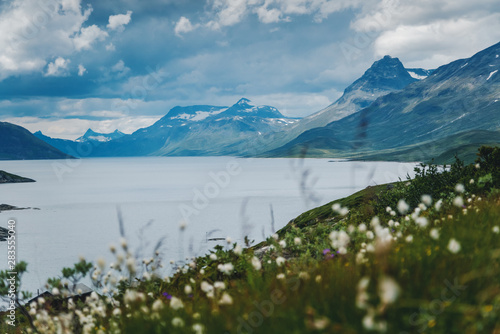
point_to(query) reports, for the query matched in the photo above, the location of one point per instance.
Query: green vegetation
(416, 256)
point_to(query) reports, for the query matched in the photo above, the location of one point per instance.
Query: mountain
(460, 97)
(191, 131)
(17, 143)
(383, 77)
(91, 135)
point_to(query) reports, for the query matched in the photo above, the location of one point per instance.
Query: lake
(80, 201)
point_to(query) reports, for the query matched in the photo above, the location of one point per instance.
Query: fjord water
(79, 201)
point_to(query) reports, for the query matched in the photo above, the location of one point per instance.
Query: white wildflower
(458, 201)
(282, 244)
(256, 263)
(297, 241)
(409, 238)
(454, 246)
(438, 205)
(388, 290)
(176, 303)
(213, 257)
(220, 285)
(427, 200)
(459, 188)
(226, 268)
(280, 276)
(198, 328)
(422, 222)
(226, 299)
(434, 233)
(344, 211)
(280, 261)
(370, 235)
(361, 227)
(206, 287)
(229, 240)
(403, 207)
(238, 250)
(157, 305)
(496, 229)
(375, 222)
(178, 322)
(339, 239)
(188, 289)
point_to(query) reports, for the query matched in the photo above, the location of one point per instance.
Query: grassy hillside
(419, 256)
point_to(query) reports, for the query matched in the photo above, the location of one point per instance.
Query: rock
(11, 178)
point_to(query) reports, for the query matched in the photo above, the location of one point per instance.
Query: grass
(365, 266)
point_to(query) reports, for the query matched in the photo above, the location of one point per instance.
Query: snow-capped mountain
(193, 130)
(385, 76)
(460, 98)
(91, 135)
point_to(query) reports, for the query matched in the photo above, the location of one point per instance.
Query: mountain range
(455, 100)
(188, 131)
(390, 113)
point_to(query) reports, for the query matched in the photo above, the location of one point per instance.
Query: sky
(70, 65)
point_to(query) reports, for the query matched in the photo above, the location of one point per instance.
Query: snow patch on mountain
(198, 115)
(416, 76)
(491, 74)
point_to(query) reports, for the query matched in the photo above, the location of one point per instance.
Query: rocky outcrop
(11, 178)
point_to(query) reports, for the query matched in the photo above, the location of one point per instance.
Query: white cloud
(33, 31)
(184, 26)
(81, 70)
(117, 22)
(110, 47)
(230, 12)
(88, 36)
(58, 68)
(269, 15)
(428, 33)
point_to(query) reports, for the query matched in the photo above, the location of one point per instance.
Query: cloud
(76, 127)
(81, 70)
(88, 36)
(110, 47)
(58, 67)
(117, 22)
(184, 26)
(33, 31)
(428, 33)
(269, 15)
(230, 12)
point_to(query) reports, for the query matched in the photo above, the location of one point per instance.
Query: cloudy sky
(67, 65)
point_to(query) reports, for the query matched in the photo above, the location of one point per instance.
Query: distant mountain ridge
(91, 135)
(461, 96)
(192, 130)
